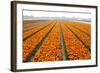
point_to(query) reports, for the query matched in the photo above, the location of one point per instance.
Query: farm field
(56, 40)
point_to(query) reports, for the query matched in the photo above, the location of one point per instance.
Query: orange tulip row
(51, 48)
(82, 36)
(30, 25)
(75, 49)
(31, 43)
(86, 27)
(29, 32)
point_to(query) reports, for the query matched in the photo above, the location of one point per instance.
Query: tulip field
(56, 40)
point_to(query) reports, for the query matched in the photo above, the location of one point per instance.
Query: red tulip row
(30, 43)
(51, 48)
(75, 49)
